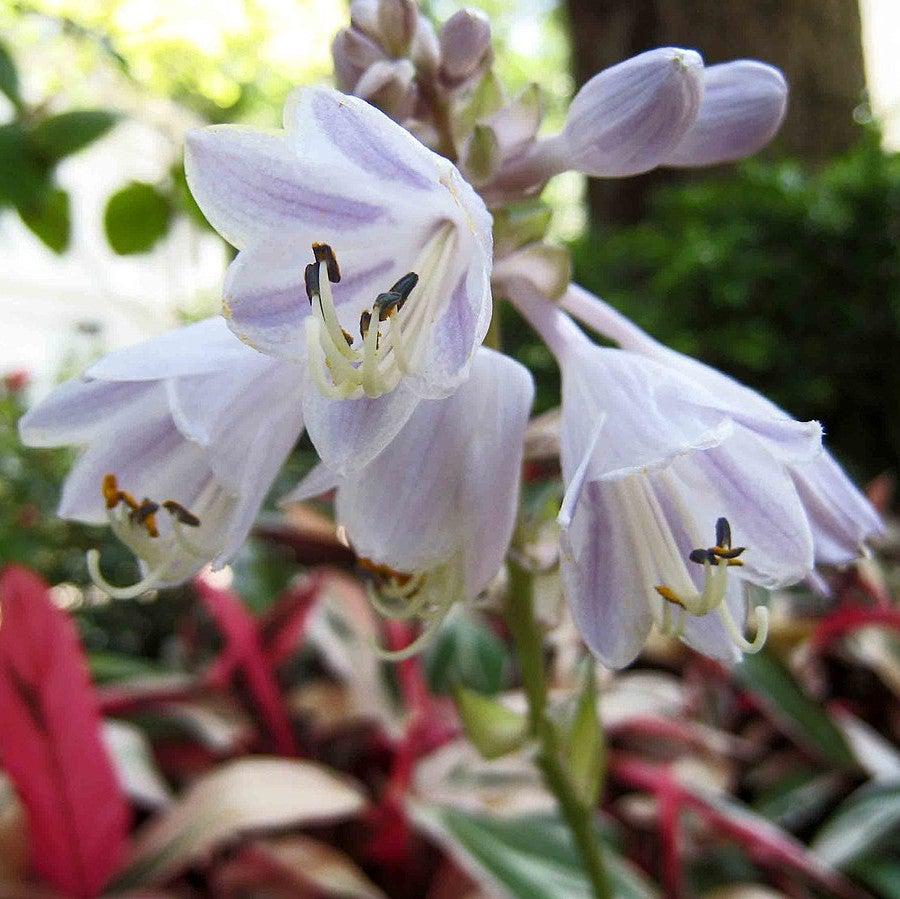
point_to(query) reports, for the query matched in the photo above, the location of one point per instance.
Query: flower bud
(364, 17)
(425, 51)
(465, 45)
(743, 106)
(397, 20)
(353, 52)
(629, 118)
(389, 85)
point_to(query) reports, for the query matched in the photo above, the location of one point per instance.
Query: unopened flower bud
(629, 118)
(353, 52)
(364, 17)
(425, 51)
(397, 20)
(465, 45)
(389, 85)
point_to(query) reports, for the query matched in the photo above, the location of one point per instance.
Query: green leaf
(109, 667)
(493, 729)
(9, 76)
(585, 756)
(521, 224)
(23, 176)
(880, 874)
(868, 819)
(771, 682)
(466, 653)
(529, 857)
(47, 217)
(67, 133)
(136, 218)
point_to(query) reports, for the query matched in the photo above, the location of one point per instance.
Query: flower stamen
(344, 368)
(135, 524)
(716, 560)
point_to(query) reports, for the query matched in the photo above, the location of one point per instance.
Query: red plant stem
(850, 618)
(669, 802)
(770, 849)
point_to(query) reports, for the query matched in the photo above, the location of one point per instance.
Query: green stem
(528, 640)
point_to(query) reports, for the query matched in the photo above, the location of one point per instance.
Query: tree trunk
(817, 43)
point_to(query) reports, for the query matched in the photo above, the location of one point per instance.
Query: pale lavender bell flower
(397, 298)
(652, 460)
(842, 520)
(182, 437)
(431, 517)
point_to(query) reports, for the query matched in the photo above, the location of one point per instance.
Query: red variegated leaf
(244, 652)
(51, 745)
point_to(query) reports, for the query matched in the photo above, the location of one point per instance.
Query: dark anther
(180, 514)
(364, 321)
(701, 555)
(405, 285)
(388, 303)
(348, 337)
(723, 533)
(324, 253)
(145, 514)
(730, 553)
(311, 278)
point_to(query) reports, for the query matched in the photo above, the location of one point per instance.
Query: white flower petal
(319, 481)
(322, 122)
(81, 410)
(448, 483)
(349, 434)
(743, 105)
(250, 183)
(196, 349)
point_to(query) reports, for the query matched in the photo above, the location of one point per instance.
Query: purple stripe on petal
(365, 147)
(455, 329)
(249, 182)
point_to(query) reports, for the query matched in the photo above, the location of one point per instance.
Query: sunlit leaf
(531, 857)
(805, 719)
(67, 133)
(252, 794)
(9, 76)
(136, 218)
(48, 218)
(867, 819)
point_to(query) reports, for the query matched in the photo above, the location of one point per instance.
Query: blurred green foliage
(786, 278)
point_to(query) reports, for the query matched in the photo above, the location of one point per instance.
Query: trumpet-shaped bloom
(432, 516)
(652, 460)
(182, 437)
(363, 255)
(841, 518)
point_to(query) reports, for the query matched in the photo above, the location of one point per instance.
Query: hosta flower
(363, 255)
(660, 108)
(431, 517)
(841, 518)
(182, 437)
(660, 472)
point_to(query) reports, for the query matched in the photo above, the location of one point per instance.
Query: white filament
(390, 349)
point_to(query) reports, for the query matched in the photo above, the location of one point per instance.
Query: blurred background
(783, 270)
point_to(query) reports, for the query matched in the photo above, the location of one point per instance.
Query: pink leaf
(51, 745)
(244, 652)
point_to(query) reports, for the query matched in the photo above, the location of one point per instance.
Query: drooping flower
(397, 297)
(652, 461)
(432, 516)
(841, 518)
(182, 437)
